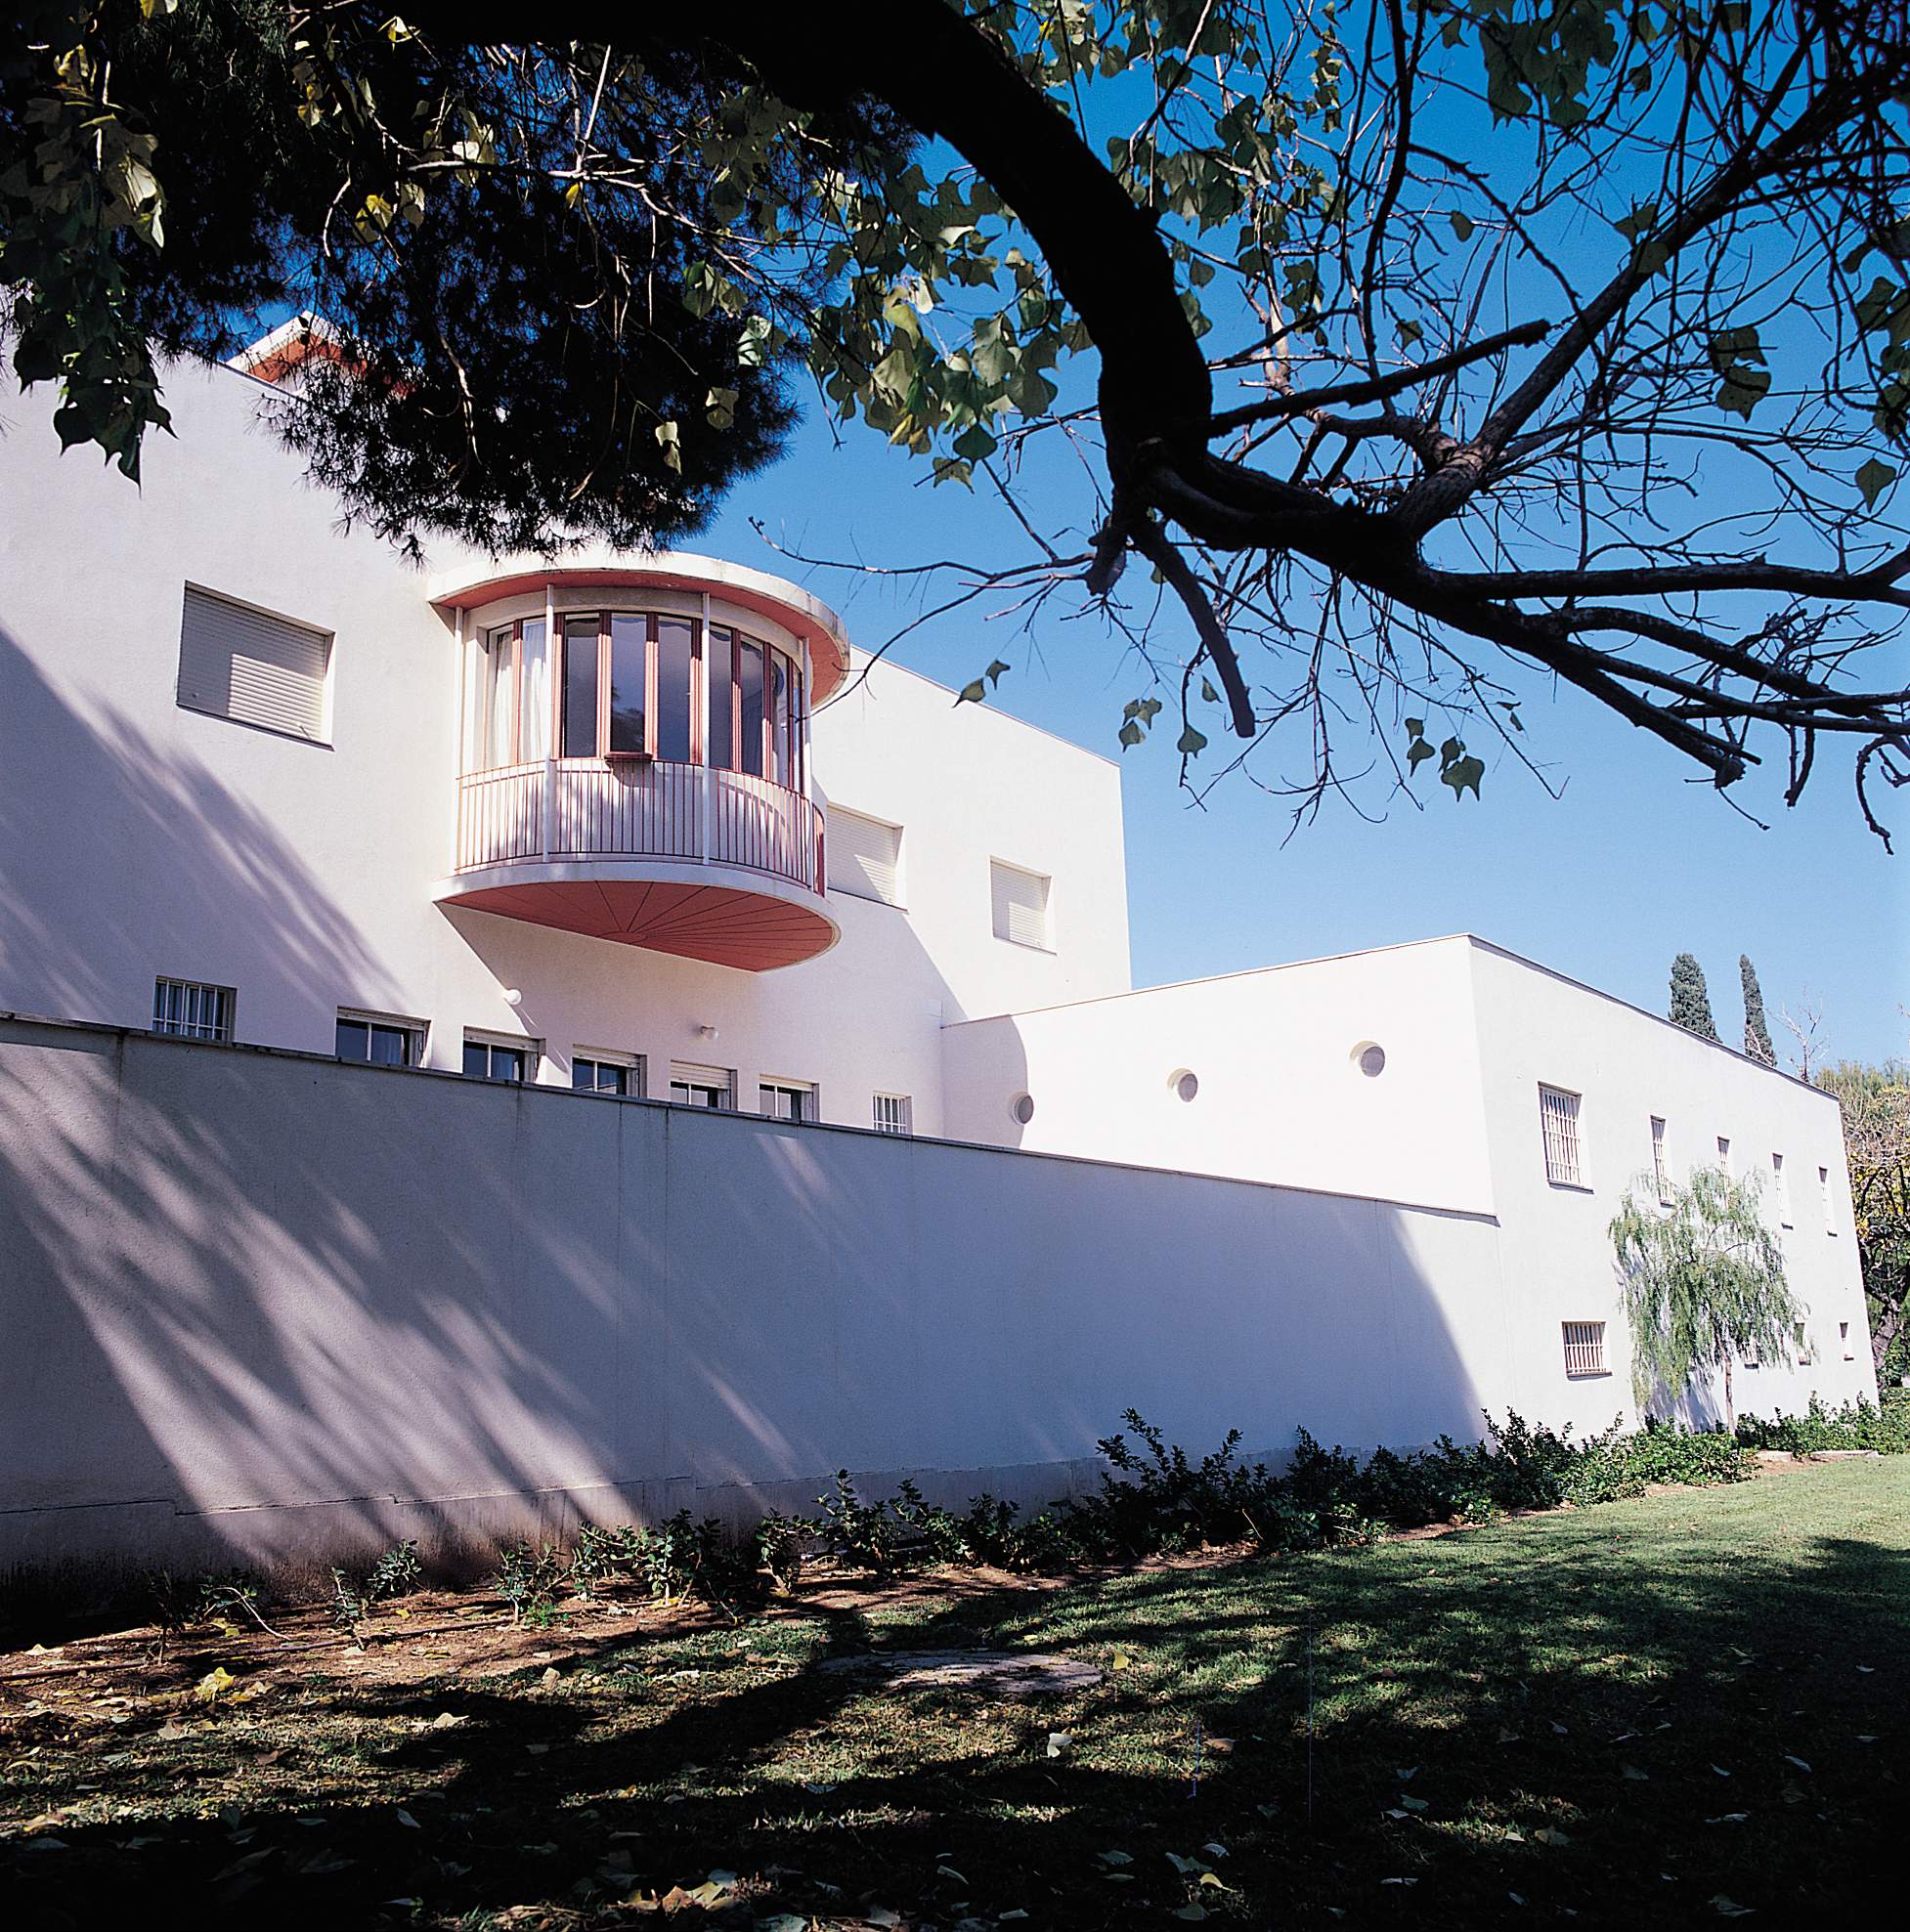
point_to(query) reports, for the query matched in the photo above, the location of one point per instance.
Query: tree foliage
(1757, 1030)
(1703, 1281)
(1428, 354)
(1691, 997)
(1876, 1106)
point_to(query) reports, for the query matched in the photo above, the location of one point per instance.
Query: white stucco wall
(266, 1308)
(1281, 1097)
(138, 838)
(1537, 1026)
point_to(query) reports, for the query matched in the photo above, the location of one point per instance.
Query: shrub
(529, 1580)
(1855, 1426)
(857, 1532)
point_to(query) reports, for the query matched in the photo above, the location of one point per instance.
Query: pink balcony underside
(715, 923)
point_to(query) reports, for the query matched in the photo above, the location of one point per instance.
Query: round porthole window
(1020, 1109)
(1370, 1059)
(1185, 1085)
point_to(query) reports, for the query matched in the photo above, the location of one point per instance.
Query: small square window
(1725, 1153)
(1843, 1341)
(786, 1099)
(1584, 1348)
(1559, 1116)
(379, 1039)
(1803, 1341)
(895, 1113)
(485, 1059)
(193, 1010)
(593, 1070)
(1020, 905)
(1781, 1183)
(1829, 1200)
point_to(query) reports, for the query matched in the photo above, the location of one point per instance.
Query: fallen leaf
(1508, 1736)
(551, 1677)
(212, 1683)
(1192, 1911)
(1551, 1835)
(1798, 1762)
(1416, 1804)
(1728, 1818)
(1117, 1858)
(1632, 1771)
(1729, 1907)
(1058, 1742)
(950, 1872)
(1722, 1772)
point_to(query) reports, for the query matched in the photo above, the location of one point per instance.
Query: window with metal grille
(379, 1039)
(692, 1086)
(1584, 1348)
(865, 857)
(1725, 1153)
(1559, 1116)
(192, 1011)
(593, 1070)
(1781, 1183)
(252, 667)
(485, 1059)
(894, 1114)
(1658, 1171)
(786, 1099)
(1020, 904)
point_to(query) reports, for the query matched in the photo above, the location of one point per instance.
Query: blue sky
(1634, 864)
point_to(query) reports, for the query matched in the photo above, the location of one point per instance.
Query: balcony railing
(579, 808)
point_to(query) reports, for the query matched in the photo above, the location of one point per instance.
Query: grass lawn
(1657, 1712)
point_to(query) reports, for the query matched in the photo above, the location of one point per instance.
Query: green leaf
(974, 443)
(1191, 742)
(667, 440)
(1131, 734)
(1873, 480)
(1742, 390)
(1462, 773)
(995, 670)
(720, 408)
(1416, 726)
(1417, 755)
(972, 693)
(1463, 227)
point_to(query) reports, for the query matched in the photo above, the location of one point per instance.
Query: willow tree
(1430, 356)
(1704, 1283)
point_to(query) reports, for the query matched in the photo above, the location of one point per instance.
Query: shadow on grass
(1387, 1733)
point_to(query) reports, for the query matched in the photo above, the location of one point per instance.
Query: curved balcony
(689, 859)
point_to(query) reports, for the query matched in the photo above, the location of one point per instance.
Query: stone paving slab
(1002, 1673)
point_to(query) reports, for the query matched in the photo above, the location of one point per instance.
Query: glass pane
(798, 727)
(612, 1079)
(391, 1046)
(748, 677)
(351, 1040)
(629, 655)
(674, 689)
(581, 687)
(477, 1060)
(534, 741)
(779, 717)
(719, 678)
(500, 740)
(507, 1063)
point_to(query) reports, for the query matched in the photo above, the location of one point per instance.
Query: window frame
(704, 695)
(833, 822)
(529, 1053)
(630, 1065)
(1584, 1342)
(221, 1031)
(1781, 1188)
(1572, 1118)
(1659, 1173)
(1829, 1201)
(1046, 943)
(323, 737)
(689, 1074)
(804, 1091)
(903, 1123)
(416, 1035)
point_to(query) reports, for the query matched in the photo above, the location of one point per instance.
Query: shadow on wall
(272, 1310)
(121, 860)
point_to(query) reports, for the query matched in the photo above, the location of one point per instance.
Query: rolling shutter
(239, 663)
(1020, 904)
(865, 857)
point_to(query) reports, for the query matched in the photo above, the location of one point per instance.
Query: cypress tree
(1691, 997)
(1757, 1034)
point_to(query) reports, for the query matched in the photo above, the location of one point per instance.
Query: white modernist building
(650, 828)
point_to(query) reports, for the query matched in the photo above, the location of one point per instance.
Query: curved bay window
(638, 685)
